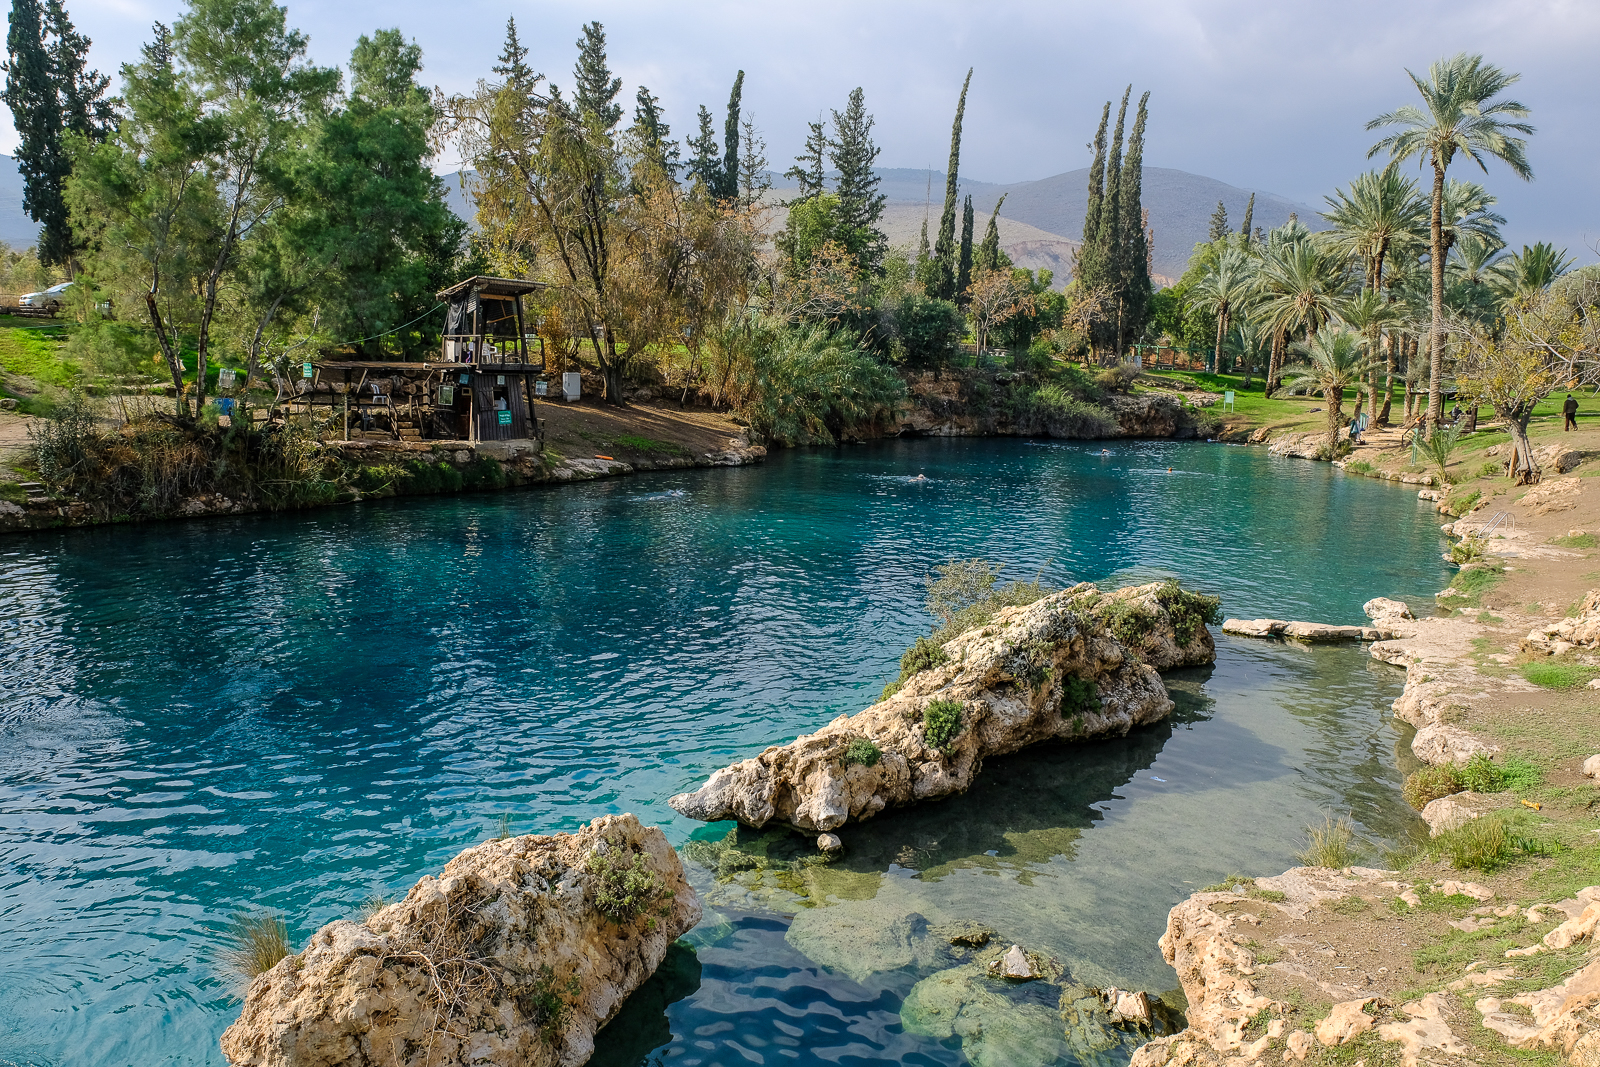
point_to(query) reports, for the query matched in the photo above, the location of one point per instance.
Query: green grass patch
(1584, 540)
(36, 354)
(1479, 774)
(1553, 674)
(1490, 843)
(1333, 844)
(635, 443)
(1470, 583)
(1230, 884)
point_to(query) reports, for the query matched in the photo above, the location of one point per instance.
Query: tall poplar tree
(596, 95)
(944, 249)
(1133, 251)
(964, 266)
(728, 185)
(1088, 251)
(51, 94)
(1249, 214)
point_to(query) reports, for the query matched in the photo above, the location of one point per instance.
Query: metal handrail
(1494, 523)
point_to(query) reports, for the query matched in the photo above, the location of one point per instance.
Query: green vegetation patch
(1333, 844)
(1471, 582)
(1079, 695)
(1189, 611)
(1488, 844)
(1583, 540)
(636, 443)
(862, 752)
(625, 883)
(1479, 774)
(1555, 674)
(36, 353)
(941, 724)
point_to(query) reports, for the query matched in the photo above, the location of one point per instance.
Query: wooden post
(346, 384)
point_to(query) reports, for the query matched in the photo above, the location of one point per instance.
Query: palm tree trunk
(1388, 378)
(1222, 332)
(1335, 402)
(1275, 363)
(1436, 328)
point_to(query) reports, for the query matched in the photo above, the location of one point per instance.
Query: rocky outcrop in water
(516, 954)
(1076, 665)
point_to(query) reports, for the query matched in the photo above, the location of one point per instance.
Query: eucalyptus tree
(1460, 112)
(1522, 274)
(1336, 359)
(1223, 291)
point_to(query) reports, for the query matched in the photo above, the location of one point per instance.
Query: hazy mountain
(16, 228)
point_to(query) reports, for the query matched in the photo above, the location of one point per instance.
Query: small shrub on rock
(1330, 845)
(255, 944)
(1189, 611)
(625, 883)
(1079, 694)
(941, 724)
(863, 752)
(1431, 783)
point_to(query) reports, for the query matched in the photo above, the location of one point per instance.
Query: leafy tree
(754, 178)
(1300, 285)
(944, 248)
(1132, 257)
(1460, 113)
(51, 95)
(1089, 250)
(853, 154)
(1219, 223)
(1550, 340)
(706, 163)
(1337, 360)
(596, 93)
(929, 329)
(1369, 313)
(652, 134)
(1249, 214)
(1115, 250)
(994, 297)
(810, 168)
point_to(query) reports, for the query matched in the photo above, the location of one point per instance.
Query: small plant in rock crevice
(862, 752)
(545, 1001)
(941, 724)
(254, 945)
(1079, 694)
(625, 883)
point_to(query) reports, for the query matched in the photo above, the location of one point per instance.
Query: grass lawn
(1253, 404)
(28, 351)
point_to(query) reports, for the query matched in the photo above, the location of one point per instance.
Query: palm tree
(1221, 290)
(1465, 212)
(1381, 214)
(1337, 359)
(1368, 312)
(1299, 285)
(1459, 114)
(1528, 272)
(1249, 338)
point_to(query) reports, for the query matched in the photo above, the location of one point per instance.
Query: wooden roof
(492, 287)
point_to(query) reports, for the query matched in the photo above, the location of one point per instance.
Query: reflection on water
(297, 712)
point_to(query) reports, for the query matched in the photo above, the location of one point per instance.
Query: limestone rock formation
(1579, 631)
(1051, 670)
(1380, 609)
(1315, 632)
(516, 954)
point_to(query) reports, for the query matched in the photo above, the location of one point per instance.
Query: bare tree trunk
(1523, 470)
(1436, 327)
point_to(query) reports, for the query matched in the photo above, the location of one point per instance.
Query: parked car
(48, 300)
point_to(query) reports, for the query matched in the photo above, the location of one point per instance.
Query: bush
(963, 596)
(1079, 694)
(625, 883)
(862, 752)
(1330, 845)
(1052, 411)
(1486, 844)
(941, 724)
(254, 945)
(1117, 379)
(928, 329)
(1468, 550)
(1431, 783)
(805, 385)
(1188, 611)
(1479, 774)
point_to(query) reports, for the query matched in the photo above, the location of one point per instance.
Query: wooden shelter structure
(481, 388)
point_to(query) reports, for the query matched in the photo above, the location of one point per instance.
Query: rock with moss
(518, 952)
(1052, 670)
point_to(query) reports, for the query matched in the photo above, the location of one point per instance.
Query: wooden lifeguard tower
(487, 359)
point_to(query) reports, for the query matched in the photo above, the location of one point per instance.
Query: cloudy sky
(1269, 96)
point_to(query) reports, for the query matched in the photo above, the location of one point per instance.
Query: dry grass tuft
(255, 944)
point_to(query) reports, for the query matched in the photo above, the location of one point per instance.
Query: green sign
(447, 396)
(505, 417)
(305, 370)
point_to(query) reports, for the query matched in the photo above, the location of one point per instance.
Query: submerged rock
(517, 953)
(1075, 665)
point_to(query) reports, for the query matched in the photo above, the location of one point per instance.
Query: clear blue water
(298, 712)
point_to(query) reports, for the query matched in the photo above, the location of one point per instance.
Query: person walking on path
(1569, 411)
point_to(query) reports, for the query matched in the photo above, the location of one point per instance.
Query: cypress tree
(727, 187)
(50, 94)
(596, 95)
(988, 255)
(944, 249)
(513, 64)
(654, 134)
(810, 171)
(860, 204)
(1219, 223)
(964, 267)
(1110, 258)
(1249, 212)
(1133, 257)
(922, 245)
(704, 163)
(1088, 260)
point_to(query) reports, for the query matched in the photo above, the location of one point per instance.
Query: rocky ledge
(517, 953)
(1075, 665)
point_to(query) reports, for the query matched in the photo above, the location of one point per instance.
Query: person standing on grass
(1569, 411)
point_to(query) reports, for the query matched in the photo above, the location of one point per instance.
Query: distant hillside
(16, 229)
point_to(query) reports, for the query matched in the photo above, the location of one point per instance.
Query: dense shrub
(863, 752)
(625, 883)
(1117, 379)
(1079, 694)
(1189, 611)
(804, 385)
(928, 330)
(941, 724)
(1051, 410)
